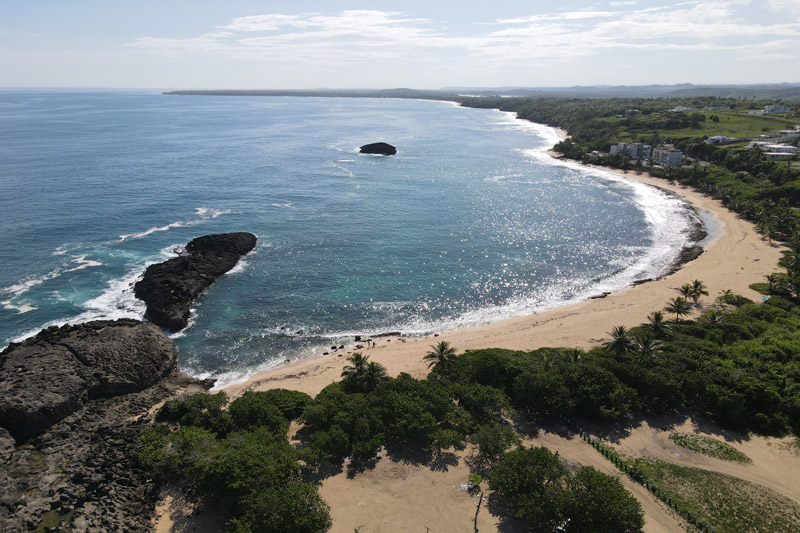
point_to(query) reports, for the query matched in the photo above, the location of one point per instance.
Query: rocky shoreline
(74, 399)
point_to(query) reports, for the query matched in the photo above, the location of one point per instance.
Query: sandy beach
(400, 495)
(736, 258)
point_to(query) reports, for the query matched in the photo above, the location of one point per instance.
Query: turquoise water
(468, 224)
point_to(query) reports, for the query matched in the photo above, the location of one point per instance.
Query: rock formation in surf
(380, 148)
(169, 288)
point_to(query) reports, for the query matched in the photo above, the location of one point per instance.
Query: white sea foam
(239, 267)
(83, 263)
(24, 285)
(21, 307)
(344, 169)
(204, 213)
(21, 287)
(115, 302)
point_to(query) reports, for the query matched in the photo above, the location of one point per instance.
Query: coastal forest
(262, 455)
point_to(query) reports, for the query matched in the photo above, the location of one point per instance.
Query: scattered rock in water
(169, 288)
(598, 296)
(380, 148)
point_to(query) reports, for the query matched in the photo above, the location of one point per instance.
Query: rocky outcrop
(73, 401)
(50, 376)
(169, 288)
(380, 148)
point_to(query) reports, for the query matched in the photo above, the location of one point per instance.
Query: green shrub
(254, 409)
(296, 508)
(201, 410)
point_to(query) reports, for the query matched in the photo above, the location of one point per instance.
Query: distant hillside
(346, 93)
(783, 91)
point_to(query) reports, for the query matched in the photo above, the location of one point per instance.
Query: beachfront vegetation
(240, 458)
(736, 363)
(709, 446)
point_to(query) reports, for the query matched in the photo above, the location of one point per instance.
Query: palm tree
(713, 316)
(442, 357)
(549, 358)
(373, 374)
(774, 282)
(646, 345)
(698, 290)
(685, 291)
(356, 369)
(620, 341)
(658, 325)
(573, 355)
(724, 296)
(363, 374)
(679, 306)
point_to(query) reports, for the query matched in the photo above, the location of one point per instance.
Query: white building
(632, 150)
(667, 156)
(778, 156)
(721, 139)
(775, 108)
(774, 148)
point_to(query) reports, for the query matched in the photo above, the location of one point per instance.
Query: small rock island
(380, 148)
(169, 288)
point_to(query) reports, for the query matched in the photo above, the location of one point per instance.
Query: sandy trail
(398, 495)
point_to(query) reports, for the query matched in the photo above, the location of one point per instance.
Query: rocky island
(380, 148)
(169, 288)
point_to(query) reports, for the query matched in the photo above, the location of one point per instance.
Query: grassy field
(725, 503)
(730, 125)
(710, 447)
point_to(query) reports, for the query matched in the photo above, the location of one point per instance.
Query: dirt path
(774, 464)
(401, 496)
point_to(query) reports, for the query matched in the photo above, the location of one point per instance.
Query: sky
(199, 44)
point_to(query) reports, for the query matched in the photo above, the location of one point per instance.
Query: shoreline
(733, 259)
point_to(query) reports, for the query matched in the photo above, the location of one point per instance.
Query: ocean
(470, 223)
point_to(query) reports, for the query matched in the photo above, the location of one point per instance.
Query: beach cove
(400, 495)
(736, 258)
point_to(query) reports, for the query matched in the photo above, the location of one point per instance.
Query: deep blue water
(469, 223)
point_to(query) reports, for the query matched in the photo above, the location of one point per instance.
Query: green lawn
(730, 125)
(725, 503)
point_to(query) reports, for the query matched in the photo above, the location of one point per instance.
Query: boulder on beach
(380, 148)
(170, 288)
(50, 376)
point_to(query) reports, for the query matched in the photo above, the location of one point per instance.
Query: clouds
(734, 30)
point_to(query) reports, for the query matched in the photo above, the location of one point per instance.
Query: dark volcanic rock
(378, 148)
(169, 288)
(50, 376)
